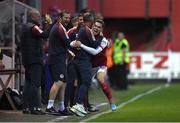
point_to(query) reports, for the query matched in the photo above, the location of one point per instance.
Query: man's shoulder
(99, 37)
(83, 27)
(125, 41)
(58, 27)
(72, 30)
(82, 30)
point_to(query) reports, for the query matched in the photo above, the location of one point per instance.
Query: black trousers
(69, 91)
(31, 91)
(84, 76)
(44, 90)
(118, 76)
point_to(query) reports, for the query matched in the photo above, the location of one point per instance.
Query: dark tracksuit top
(72, 75)
(31, 48)
(31, 43)
(82, 62)
(58, 44)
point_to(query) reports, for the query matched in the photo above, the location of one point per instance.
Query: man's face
(80, 20)
(97, 28)
(120, 36)
(36, 17)
(66, 19)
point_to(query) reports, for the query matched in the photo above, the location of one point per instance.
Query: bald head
(34, 15)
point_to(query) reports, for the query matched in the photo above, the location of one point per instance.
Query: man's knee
(100, 77)
(59, 83)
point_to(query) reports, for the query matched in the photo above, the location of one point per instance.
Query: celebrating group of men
(74, 58)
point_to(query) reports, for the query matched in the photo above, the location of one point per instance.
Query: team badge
(61, 76)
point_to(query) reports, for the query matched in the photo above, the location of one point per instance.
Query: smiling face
(80, 20)
(66, 18)
(97, 28)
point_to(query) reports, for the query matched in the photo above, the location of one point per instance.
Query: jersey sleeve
(104, 43)
(37, 31)
(91, 50)
(90, 34)
(63, 34)
(95, 51)
(91, 38)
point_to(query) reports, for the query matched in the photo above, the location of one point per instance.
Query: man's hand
(48, 19)
(75, 44)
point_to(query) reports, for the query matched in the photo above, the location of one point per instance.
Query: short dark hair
(80, 15)
(85, 10)
(100, 21)
(74, 19)
(63, 12)
(88, 18)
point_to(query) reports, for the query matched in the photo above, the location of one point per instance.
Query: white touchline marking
(58, 118)
(101, 104)
(125, 103)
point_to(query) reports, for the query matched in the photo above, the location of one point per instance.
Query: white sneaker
(78, 109)
(76, 112)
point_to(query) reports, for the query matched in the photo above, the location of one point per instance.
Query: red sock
(107, 91)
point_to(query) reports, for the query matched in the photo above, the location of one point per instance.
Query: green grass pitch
(162, 105)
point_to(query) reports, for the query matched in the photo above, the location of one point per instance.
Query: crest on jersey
(61, 76)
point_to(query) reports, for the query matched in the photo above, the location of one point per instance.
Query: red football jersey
(100, 59)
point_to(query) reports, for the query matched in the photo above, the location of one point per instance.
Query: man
(83, 65)
(99, 61)
(120, 59)
(58, 49)
(72, 83)
(31, 48)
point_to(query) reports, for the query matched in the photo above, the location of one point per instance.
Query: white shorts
(96, 70)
